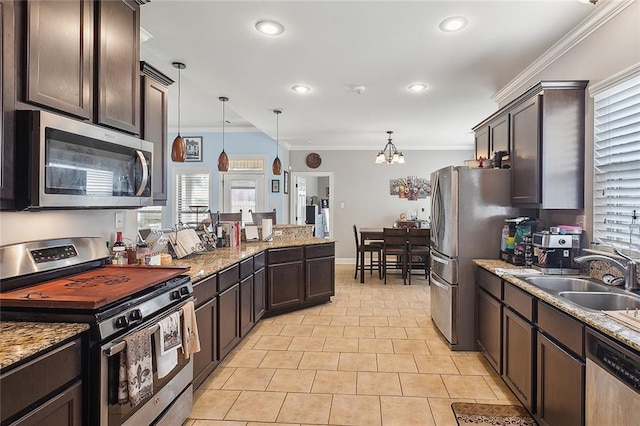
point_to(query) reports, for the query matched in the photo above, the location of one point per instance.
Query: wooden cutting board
(92, 289)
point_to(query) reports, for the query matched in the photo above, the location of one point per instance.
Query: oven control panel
(51, 254)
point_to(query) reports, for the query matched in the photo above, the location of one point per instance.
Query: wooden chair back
(258, 216)
(395, 238)
(419, 237)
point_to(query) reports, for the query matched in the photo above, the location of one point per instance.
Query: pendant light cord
(179, 101)
(277, 135)
(223, 121)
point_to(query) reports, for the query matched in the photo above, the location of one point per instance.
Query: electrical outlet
(580, 220)
(342, 205)
(277, 233)
(119, 220)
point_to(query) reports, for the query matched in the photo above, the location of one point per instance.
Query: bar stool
(419, 246)
(395, 242)
(361, 249)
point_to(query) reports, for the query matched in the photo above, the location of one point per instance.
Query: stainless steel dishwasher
(613, 383)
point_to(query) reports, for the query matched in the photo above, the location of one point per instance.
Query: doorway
(312, 188)
(244, 192)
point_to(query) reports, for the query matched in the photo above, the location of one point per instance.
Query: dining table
(371, 235)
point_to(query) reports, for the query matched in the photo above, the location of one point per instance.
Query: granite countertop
(208, 263)
(21, 340)
(598, 321)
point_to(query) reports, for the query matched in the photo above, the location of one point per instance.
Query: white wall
(18, 227)
(363, 187)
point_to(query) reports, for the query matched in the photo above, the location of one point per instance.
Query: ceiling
(333, 46)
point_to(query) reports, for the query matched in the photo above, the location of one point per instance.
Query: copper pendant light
(277, 164)
(223, 158)
(179, 147)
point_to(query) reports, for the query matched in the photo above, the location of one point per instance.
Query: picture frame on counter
(285, 188)
(275, 185)
(194, 148)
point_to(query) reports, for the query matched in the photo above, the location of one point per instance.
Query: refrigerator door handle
(435, 209)
(438, 284)
(439, 259)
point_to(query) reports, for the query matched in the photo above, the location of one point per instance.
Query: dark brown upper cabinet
(118, 45)
(482, 142)
(59, 54)
(155, 94)
(543, 132)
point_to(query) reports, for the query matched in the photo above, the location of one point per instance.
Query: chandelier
(389, 153)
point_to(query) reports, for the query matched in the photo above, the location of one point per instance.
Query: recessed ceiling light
(299, 88)
(417, 87)
(455, 23)
(269, 27)
(588, 1)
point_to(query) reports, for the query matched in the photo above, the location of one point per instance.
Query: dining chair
(231, 217)
(258, 216)
(418, 248)
(361, 249)
(395, 242)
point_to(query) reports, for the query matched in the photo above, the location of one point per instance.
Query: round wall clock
(314, 160)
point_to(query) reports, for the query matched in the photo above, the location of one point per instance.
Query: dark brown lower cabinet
(320, 278)
(285, 285)
(518, 354)
(259, 296)
(206, 360)
(489, 328)
(63, 409)
(46, 390)
(228, 320)
(246, 305)
(560, 385)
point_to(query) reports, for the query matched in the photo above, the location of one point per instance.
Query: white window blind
(150, 217)
(617, 163)
(192, 189)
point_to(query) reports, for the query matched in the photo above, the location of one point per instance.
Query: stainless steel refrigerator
(468, 208)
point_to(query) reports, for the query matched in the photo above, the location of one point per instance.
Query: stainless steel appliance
(64, 163)
(612, 382)
(554, 253)
(468, 208)
(66, 280)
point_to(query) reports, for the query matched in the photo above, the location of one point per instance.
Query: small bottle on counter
(119, 254)
(143, 254)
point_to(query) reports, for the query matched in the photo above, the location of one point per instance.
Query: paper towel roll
(267, 230)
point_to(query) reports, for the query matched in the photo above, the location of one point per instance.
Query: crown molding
(605, 11)
(607, 83)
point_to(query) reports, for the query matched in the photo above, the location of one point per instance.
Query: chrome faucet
(628, 270)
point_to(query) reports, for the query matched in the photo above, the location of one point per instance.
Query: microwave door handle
(145, 173)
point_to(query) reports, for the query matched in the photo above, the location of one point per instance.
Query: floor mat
(490, 414)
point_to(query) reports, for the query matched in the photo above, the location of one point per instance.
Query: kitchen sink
(558, 283)
(602, 301)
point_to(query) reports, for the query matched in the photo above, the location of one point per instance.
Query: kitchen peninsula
(235, 287)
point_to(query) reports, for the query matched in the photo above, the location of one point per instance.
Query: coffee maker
(553, 253)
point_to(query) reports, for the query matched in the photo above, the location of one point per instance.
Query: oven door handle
(118, 347)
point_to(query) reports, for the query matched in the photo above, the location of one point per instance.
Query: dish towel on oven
(190, 337)
(167, 340)
(136, 369)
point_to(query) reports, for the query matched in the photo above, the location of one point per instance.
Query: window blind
(617, 164)
(192, 189)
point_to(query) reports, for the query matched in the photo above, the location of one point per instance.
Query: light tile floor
(371, 357)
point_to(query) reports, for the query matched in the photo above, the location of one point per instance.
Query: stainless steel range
(68, 280)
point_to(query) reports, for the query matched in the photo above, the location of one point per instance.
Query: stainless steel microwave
(64, 163)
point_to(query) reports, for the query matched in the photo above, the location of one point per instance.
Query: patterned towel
(135, 360)
(166, 345)
(190, 337)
